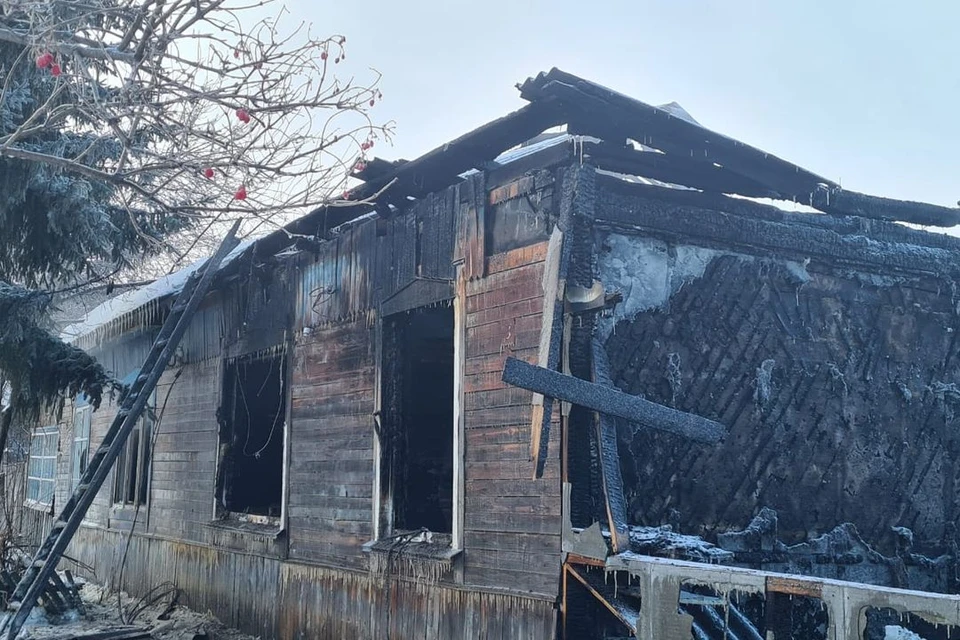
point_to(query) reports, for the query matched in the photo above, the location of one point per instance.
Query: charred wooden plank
(616, 503)
(721, 222)
(442, 166)
(673, 169)
(850, 203)
(472, 227)
(540, 417)
(607, 594)
(611, 401)
(593, 107)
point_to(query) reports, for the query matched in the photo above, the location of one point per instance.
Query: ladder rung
(58, 525)
(38, 563)
(83, 487)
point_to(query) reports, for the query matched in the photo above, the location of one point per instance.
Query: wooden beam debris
(549, 352)
(611, 401)
(616, 504)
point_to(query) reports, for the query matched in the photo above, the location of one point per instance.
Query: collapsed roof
(659, 145)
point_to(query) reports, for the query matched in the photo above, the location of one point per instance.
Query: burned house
(590, 370)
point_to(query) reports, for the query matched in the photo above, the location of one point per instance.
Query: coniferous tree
(135, 128)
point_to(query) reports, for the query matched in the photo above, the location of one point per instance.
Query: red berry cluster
(47, 61)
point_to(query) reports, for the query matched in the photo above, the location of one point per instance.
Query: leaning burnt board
(610, 401)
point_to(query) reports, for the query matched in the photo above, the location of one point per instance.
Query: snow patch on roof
(132, 300)
(677, 111)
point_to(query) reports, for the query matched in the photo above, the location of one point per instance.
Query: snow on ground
(102, 615)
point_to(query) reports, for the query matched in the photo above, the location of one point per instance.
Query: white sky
(865, 92)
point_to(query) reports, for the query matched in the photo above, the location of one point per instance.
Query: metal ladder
(44, 563)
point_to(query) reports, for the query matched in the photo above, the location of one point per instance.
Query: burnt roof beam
(673, 170)
(443, 166)
(658, 129)
(850, 203)
(594, 108)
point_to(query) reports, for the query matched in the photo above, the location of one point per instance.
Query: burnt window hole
(251, 436)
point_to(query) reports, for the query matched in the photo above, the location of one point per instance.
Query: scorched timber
(610, 401)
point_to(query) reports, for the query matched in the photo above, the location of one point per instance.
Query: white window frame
(42, 466)
(383, 521)
(80, 449)
(122, 469)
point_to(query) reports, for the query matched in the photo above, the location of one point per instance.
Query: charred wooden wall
(325, 305)
(275, 599)
(512, 522)
(826, 346)
(331, 461)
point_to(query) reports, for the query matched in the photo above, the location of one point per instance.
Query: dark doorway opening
(417, 418)
(251, 436)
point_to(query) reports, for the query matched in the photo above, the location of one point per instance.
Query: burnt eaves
(622, 135)
(592, 109)
(443, 166)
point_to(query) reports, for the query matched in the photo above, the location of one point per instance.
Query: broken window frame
(383, 513)
(141, 439)
(80, 447)
(222, 514)
(41, 482)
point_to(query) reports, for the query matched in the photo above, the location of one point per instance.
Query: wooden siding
(511, 522)
(506, 577)
(330, 511)
(184, 468)
(275, 599)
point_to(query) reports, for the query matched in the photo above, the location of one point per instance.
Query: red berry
(236, 53)
(243, 115)
(323, 56)
(241, 193)
(208, 172)
(343, 39)
(336, 61)
(345, 195)
(360, 166)
(372, 102)
(55, 70)
(45, 60)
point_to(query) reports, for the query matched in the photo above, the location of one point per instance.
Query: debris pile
(160, 614)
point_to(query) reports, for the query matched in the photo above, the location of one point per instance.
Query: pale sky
(865, 92)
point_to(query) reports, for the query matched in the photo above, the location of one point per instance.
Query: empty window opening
(42, 472)
(417, 420)
(250, 479)
(133, 465)
(81, 440)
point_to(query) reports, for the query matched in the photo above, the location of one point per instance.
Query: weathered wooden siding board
(205, 333)
(471, 226)
(186, 449)
(331, 463)
(511, 522)
(337, 282)
(322, 603)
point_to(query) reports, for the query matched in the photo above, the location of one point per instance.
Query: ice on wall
(647, 272)
(896, 632)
